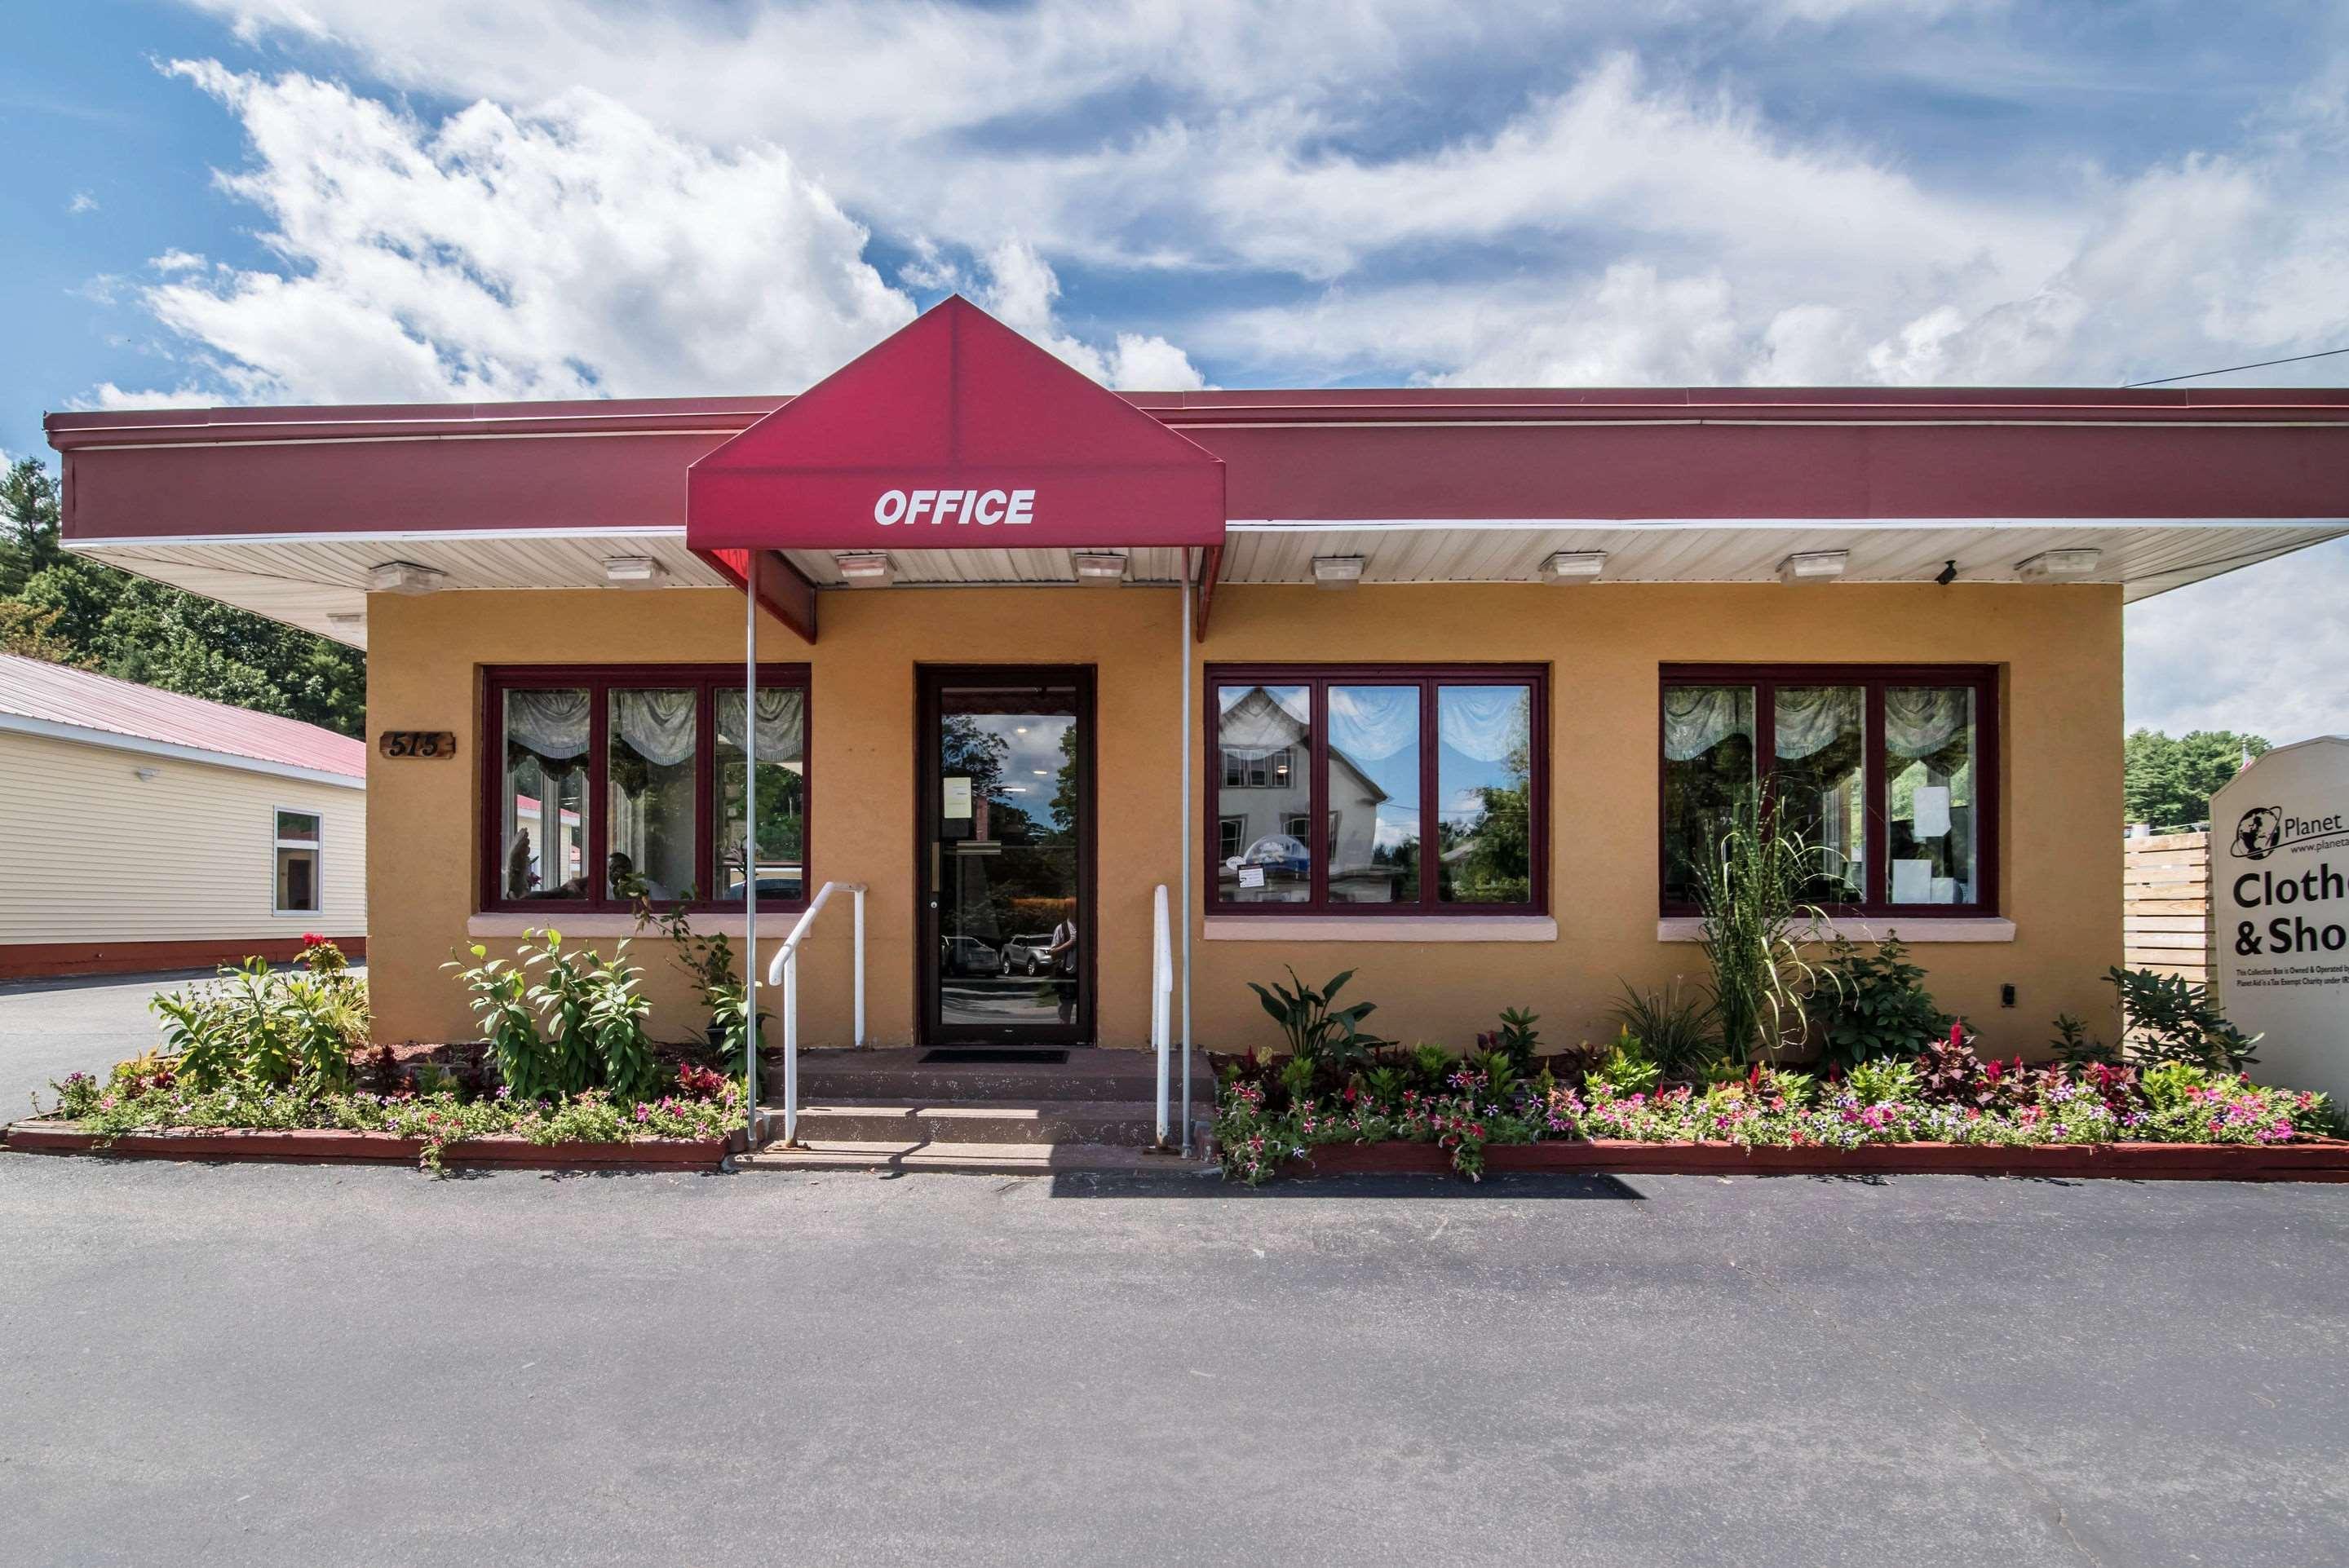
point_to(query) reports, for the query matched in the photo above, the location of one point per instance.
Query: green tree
(139, 630)
(2168, 782)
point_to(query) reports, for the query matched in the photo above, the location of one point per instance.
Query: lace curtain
(1264, 718)
(1371, 724)
(782, 726)
(1698, 718)
(657, 725)
(1920, 721)
(554, 726)
(1811, 718)
(1489, 724)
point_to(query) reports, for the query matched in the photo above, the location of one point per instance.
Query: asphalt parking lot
(51, 1029)
(306, 1365)
(280, 1364)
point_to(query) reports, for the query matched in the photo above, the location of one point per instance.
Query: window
(1254, 768)
(1888, 771)
(1427, 783)
(605, 783)
(300, 837)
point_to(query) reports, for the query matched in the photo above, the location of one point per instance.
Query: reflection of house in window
(1246, 824)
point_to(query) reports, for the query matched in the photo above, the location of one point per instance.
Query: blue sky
(346, 200)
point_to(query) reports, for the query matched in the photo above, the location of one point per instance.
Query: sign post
(2280, 907)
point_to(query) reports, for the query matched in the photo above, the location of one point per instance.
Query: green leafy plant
(500, 1001)
(1750, 890)
(2173, 1084)
(263, 1026)
(710, 960)
(1677, 1027)
(616, 1010)
(1629, 1070)
(1316, 1028)
(1432, 1063)
(569, 982)
(1516, 1039)
(1881, 1081)
(2072, 1046)
(2169, 1019)
(1879, 1005)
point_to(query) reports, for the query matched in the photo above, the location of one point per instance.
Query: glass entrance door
(1005, 855)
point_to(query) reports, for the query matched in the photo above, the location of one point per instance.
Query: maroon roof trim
(727, 415)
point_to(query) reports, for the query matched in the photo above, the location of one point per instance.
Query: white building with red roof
(142, 830)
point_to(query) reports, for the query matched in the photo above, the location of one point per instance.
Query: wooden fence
(2165, 905)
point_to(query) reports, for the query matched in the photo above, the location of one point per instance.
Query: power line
(2263, 364)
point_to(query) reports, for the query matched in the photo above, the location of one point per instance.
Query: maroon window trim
(1983, 680)
(600, 680)
(1317, 679)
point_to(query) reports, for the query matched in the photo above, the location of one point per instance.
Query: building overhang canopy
(955, 433)
(296, 513)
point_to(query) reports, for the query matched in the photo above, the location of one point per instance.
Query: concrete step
(900, 1076)
(973, 1158)
(1130, 1123)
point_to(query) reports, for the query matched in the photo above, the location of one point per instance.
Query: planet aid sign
(2280, 906)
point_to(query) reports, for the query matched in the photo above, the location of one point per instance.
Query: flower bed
(1264, 1124)
(134, 1114)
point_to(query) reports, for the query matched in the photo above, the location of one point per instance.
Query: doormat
(1026, 1055)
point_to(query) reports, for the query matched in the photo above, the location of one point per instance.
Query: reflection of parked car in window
(967, 956)
(1028, 955)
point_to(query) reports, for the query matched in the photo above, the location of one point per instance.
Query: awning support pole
(1187, 827)
(750, 845)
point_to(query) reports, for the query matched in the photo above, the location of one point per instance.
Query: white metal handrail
(784, 970)
(1161, 999)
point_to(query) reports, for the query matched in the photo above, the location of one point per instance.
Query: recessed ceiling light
(631, 570)
(405, 577)
(1574, 565)
(1812, 566)
(1337, 571)
(2078, 562)
(863, 567)
(1102, 567)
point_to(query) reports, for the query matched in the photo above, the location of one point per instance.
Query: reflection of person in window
(626, 882)
(520, 878)
(1063, 954)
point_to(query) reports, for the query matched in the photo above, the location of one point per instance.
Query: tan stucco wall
(91, 853)
(2059, 646)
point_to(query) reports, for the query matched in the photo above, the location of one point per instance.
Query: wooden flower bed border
(2316, 1159)
(337, 1147)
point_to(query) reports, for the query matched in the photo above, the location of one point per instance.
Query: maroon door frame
(928, 1030)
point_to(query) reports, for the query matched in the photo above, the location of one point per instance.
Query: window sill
(1912, 929)
(1380, 928)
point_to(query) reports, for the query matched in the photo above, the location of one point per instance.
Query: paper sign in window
(957, 798)
(1912, 881)
(1931, 805)
(1251, 876)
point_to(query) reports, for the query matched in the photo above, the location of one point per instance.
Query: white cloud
(1020, 290)
(2257, 650)
(82, 202)
(561, 253)
(576, 250)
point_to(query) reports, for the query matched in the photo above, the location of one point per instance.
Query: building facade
(148, 831)
(1444, 687)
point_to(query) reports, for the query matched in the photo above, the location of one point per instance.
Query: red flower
(312, 939)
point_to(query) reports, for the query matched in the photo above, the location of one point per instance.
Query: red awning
(955, 433)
